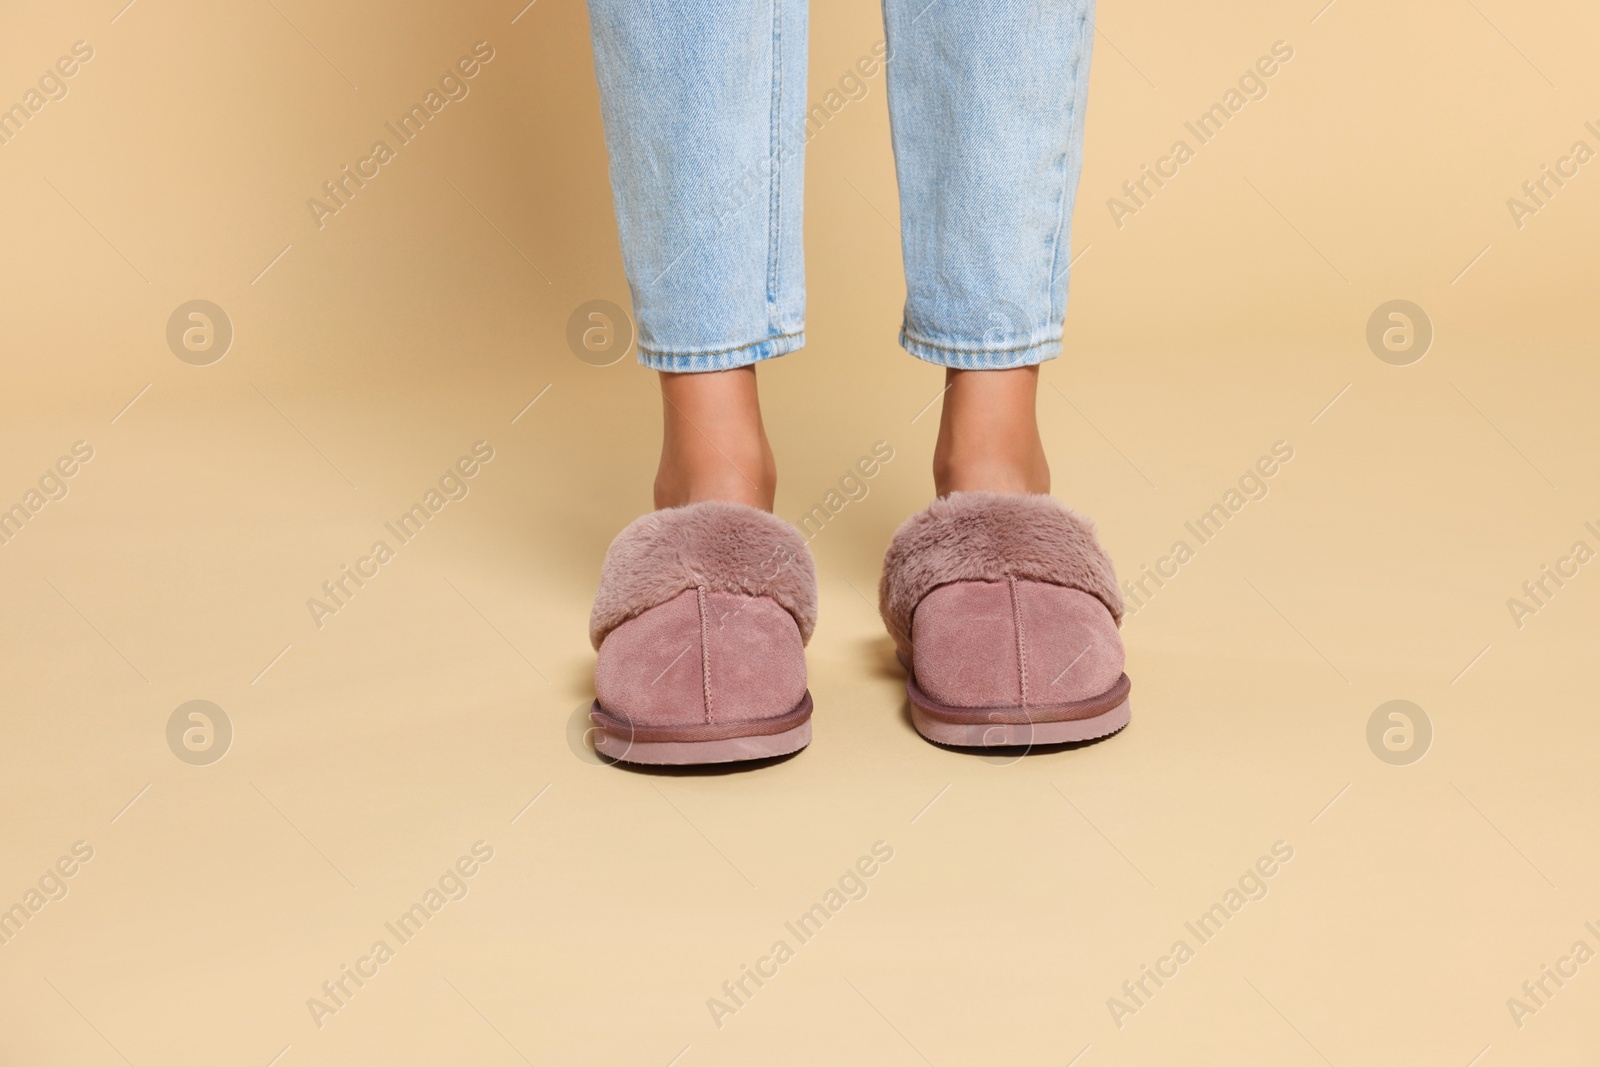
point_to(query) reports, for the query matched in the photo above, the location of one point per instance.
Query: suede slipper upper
(701, 620)
(1004, 609)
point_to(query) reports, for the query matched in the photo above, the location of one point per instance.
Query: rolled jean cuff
(1002, 355)
(722, 359)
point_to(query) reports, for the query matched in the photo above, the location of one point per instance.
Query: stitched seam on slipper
(705, 651)
(1022, 646)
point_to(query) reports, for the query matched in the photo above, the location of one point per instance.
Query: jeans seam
(775, 165)
(1063, 208)
(720, 351)
(973, 351)
(1055, 243)
(1061, 186)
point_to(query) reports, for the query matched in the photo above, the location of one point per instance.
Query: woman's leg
(988, 434)
(1002, 603)
(705, 604)
(986, 103)
(713, 445)
(704, 109)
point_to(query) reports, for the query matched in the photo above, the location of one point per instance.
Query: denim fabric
(704, 103)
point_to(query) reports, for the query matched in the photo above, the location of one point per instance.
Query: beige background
(371, 753)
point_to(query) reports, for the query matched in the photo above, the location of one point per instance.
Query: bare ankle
(680, 481)
(714, 446)
(991, 474)
(989, 435)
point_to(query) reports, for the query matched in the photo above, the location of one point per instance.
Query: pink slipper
(1004, 610)
(701, 622)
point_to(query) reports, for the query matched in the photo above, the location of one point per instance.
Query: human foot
(989, 434)
(713, 444)
(1004, 611)
(700, 623)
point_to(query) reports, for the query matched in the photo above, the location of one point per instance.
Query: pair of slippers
(1004, 611)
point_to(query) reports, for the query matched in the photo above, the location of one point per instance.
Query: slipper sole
(694, 743)
(1082, 720)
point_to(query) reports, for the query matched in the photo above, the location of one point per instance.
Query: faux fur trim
(984, 537)
(727, 548)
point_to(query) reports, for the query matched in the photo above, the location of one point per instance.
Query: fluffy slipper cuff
(725, 548)
(984, 537)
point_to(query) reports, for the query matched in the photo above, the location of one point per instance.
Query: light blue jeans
(707, 120)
